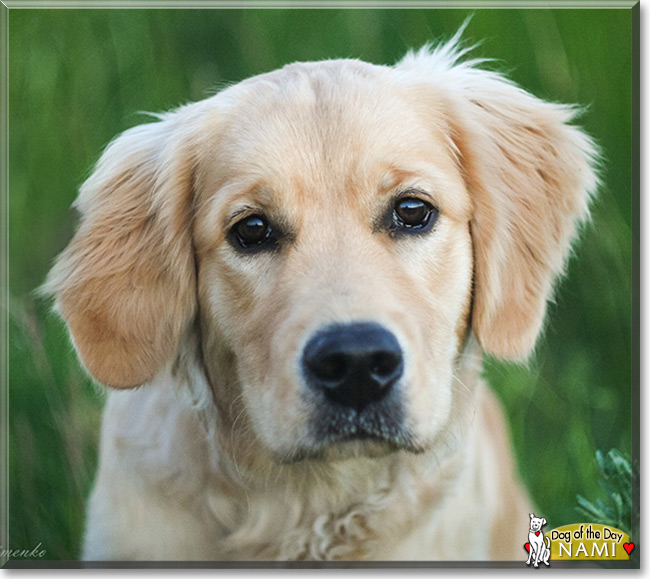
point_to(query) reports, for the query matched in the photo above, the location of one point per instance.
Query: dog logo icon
(538, 546)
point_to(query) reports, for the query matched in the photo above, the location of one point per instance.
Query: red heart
(537, 534)
(527, 547)
(629, 547)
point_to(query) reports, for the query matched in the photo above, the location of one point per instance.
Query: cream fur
(197, 461)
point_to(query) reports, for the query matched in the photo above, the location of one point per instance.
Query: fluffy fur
(206, 449)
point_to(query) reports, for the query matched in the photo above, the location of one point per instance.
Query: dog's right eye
(253, 233)
(413, 215)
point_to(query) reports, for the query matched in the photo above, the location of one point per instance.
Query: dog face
(343, 318)
(332, 232)
(536, 523)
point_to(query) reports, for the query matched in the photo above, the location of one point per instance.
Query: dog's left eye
(411, 213)
(253, 233)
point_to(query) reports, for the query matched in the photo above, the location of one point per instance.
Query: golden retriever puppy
(289, 287)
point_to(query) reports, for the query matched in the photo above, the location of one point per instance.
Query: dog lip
(359, 435)
(319, 452)
(361, 428)
(363, 436)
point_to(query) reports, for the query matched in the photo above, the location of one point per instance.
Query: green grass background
(79, 77)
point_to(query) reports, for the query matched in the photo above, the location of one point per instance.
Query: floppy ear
(530, 175)
(125, 285)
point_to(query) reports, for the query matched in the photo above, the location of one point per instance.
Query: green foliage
(616, 509)
(79, 77)
(53, 429)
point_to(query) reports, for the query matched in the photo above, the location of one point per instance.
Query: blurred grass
(79, 77)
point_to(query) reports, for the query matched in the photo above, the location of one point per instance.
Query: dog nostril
(331, 368)
(384, 364)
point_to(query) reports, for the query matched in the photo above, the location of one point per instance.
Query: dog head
(334, 233)
(536, 523)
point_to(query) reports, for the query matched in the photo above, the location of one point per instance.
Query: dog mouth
(340, 434)
(346, 448)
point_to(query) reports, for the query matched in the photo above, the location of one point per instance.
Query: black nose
(353, 365)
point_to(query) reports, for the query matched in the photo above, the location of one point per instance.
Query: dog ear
(530, 174)
(532, 516)
(543, 522)
(125, 285)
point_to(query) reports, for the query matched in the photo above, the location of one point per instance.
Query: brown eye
(411, 213)
(253, 232)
